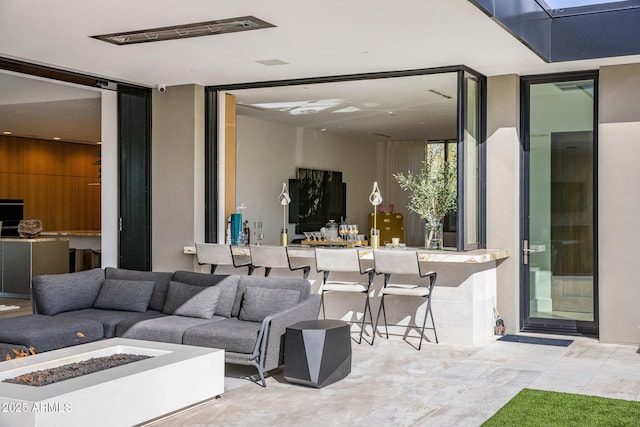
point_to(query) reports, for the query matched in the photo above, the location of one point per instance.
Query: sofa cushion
(164, 329)
(232, 335)
(113, 322)
(303, 286)
(45, 333)
(161, 278)
(191, 300)
(57, 293)
(125, 295)
(228, 287)
(259, 303)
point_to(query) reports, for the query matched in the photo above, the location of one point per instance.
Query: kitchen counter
(79, 239)
(23, 259)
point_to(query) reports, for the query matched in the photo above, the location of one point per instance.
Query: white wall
(109, 179)
(268, 155)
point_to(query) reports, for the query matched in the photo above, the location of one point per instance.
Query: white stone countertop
(476, 256)
(72, 233)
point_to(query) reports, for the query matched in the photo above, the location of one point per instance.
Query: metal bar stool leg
(432, 322)
(384, 316)
(373, 332)
(424, 324)
(324, 316)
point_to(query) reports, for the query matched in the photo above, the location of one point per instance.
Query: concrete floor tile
(392, 384)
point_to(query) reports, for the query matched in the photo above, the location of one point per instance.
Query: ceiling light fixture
(6, 132)
(200, 29)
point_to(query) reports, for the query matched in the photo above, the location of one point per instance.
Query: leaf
(80, 334)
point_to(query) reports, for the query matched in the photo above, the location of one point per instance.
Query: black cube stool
(317, 352)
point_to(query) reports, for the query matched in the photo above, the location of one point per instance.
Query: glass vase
(433, 235)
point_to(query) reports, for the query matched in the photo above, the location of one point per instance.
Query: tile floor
(392, 384)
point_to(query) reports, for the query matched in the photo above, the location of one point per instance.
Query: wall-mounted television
(317, 196)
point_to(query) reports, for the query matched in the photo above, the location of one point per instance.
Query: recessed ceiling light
(6, 132)
(57, 138)
(200, 29)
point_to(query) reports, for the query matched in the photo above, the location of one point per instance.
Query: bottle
(247, 233)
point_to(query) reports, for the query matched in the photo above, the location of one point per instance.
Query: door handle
(526, 251)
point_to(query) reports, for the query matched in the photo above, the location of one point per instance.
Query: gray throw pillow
(191, 300)
(258, 303)
(124, 295)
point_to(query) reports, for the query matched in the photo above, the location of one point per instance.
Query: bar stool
(269, 257)
(218, 254)
(344, 261)
(390, 262)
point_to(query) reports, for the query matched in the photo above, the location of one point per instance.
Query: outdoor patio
(392, 384)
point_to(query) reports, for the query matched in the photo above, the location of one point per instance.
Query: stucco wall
(503, 190)
(177, 175)
(619, 203)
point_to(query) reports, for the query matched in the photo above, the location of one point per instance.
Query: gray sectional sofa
(245, 315)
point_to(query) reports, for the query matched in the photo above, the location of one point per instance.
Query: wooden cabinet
(390, 225)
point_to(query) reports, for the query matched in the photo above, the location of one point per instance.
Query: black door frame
(536, 324)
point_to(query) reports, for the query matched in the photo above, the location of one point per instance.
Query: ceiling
(326, 38)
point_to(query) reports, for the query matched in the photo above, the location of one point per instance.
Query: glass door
(559, 259)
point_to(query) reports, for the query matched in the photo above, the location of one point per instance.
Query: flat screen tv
(316, 197)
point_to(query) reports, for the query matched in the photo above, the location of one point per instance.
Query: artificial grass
(550, 408)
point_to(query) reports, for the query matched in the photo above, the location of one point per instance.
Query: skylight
(559, 8)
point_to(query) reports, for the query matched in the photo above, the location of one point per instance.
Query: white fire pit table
(175, 377)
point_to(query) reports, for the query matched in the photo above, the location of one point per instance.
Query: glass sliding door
(559, 228)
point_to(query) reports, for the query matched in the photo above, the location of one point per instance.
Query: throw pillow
(258, 303)
(124, 295)
(191, 300)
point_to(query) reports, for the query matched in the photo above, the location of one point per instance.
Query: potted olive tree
(433, 191)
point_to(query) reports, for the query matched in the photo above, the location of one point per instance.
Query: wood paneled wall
(56, 180)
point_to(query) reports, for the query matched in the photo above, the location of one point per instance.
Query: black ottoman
(317, 352)
(45, 333)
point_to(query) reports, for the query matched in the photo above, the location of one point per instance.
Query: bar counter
(477, 256)
(462, 304)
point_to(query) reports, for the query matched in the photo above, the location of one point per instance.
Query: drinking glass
(354, 231)
(344, 231)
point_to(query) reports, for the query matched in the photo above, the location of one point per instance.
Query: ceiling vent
(221, 26)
